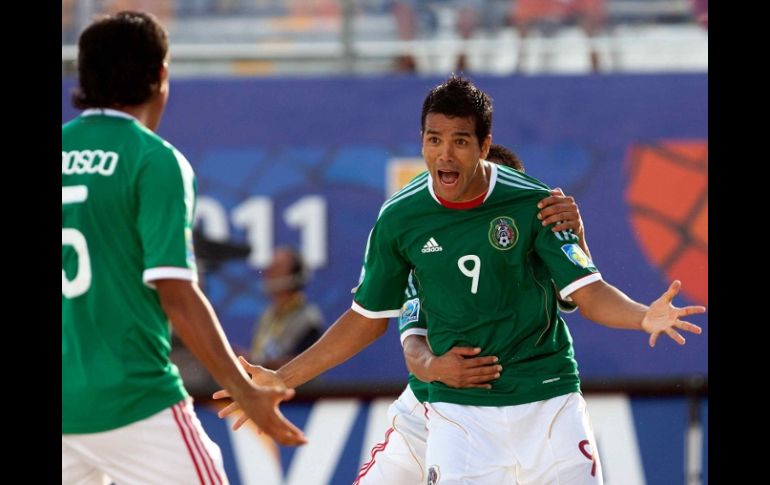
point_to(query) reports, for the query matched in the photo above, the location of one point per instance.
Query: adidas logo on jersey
(431, 246)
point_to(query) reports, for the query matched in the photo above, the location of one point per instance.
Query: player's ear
(163, 71)
(485, 146)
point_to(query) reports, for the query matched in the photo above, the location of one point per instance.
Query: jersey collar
(107, 112)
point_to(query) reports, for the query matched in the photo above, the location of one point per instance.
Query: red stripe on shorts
(211, 467)
(176, 412)
(375, 449)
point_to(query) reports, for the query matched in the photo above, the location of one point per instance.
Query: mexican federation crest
(503, 233)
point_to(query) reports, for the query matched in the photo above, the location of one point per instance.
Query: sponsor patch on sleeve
(577, 255)
(410, 313)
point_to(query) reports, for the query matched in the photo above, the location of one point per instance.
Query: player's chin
(449, 192)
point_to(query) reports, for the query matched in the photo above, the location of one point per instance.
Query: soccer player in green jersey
(128, 268)
(468, 231)
(400, 457)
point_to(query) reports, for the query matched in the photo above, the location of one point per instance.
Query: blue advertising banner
(640, 441)
(308, 162)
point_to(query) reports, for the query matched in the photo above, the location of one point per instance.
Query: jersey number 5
(72, 237)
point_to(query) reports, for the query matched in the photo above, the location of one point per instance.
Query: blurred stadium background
(301, 116)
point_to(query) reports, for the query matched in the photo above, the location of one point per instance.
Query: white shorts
(169, 447)
(541, 443)
(400, 457)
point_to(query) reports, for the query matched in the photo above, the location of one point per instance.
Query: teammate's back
(114, 331)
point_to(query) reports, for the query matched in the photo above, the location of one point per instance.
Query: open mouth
(448, 177)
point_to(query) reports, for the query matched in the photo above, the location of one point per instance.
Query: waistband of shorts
(408, 398)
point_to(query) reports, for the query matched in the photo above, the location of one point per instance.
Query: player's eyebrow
(462, 133)
(456, 133)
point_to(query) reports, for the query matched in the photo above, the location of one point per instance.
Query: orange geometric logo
(668, 197)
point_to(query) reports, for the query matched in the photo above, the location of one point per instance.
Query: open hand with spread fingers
(663, 317)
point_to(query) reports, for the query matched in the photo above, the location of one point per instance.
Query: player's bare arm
(349, 335)
(197, 325)
(605, 304)
(460, 367)
(562, 211)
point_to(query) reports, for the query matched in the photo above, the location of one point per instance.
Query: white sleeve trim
(413, 331)
(577, 284)
(170, 273)
(369, 314)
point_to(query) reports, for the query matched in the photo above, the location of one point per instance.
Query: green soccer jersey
(411, 321)
(483, 280)
(127, 209)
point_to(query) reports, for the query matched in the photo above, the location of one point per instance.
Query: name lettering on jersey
(432, 246)
(503, 233)
(79, 162)
(576, 255)
(410, 312)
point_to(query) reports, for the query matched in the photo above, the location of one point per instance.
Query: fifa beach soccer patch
(576, 255)
(503, 233)
(410, 313)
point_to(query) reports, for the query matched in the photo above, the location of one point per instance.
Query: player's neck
(480, 191)
(147, 113)
(480, 183)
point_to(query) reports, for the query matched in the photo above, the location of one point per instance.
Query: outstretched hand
(663, 317)
(272, 388)
(459, 368)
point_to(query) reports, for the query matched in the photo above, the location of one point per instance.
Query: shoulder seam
(514, 176)
(415, 181)
(521, 185)
(400, 196)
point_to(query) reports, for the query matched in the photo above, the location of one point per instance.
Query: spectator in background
(290, 324)
(164, 10)
(68, 21)
(590, 14)
(414, 15)
(700, 9)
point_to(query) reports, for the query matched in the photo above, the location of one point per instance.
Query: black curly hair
(119, 60)
(459, 97)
